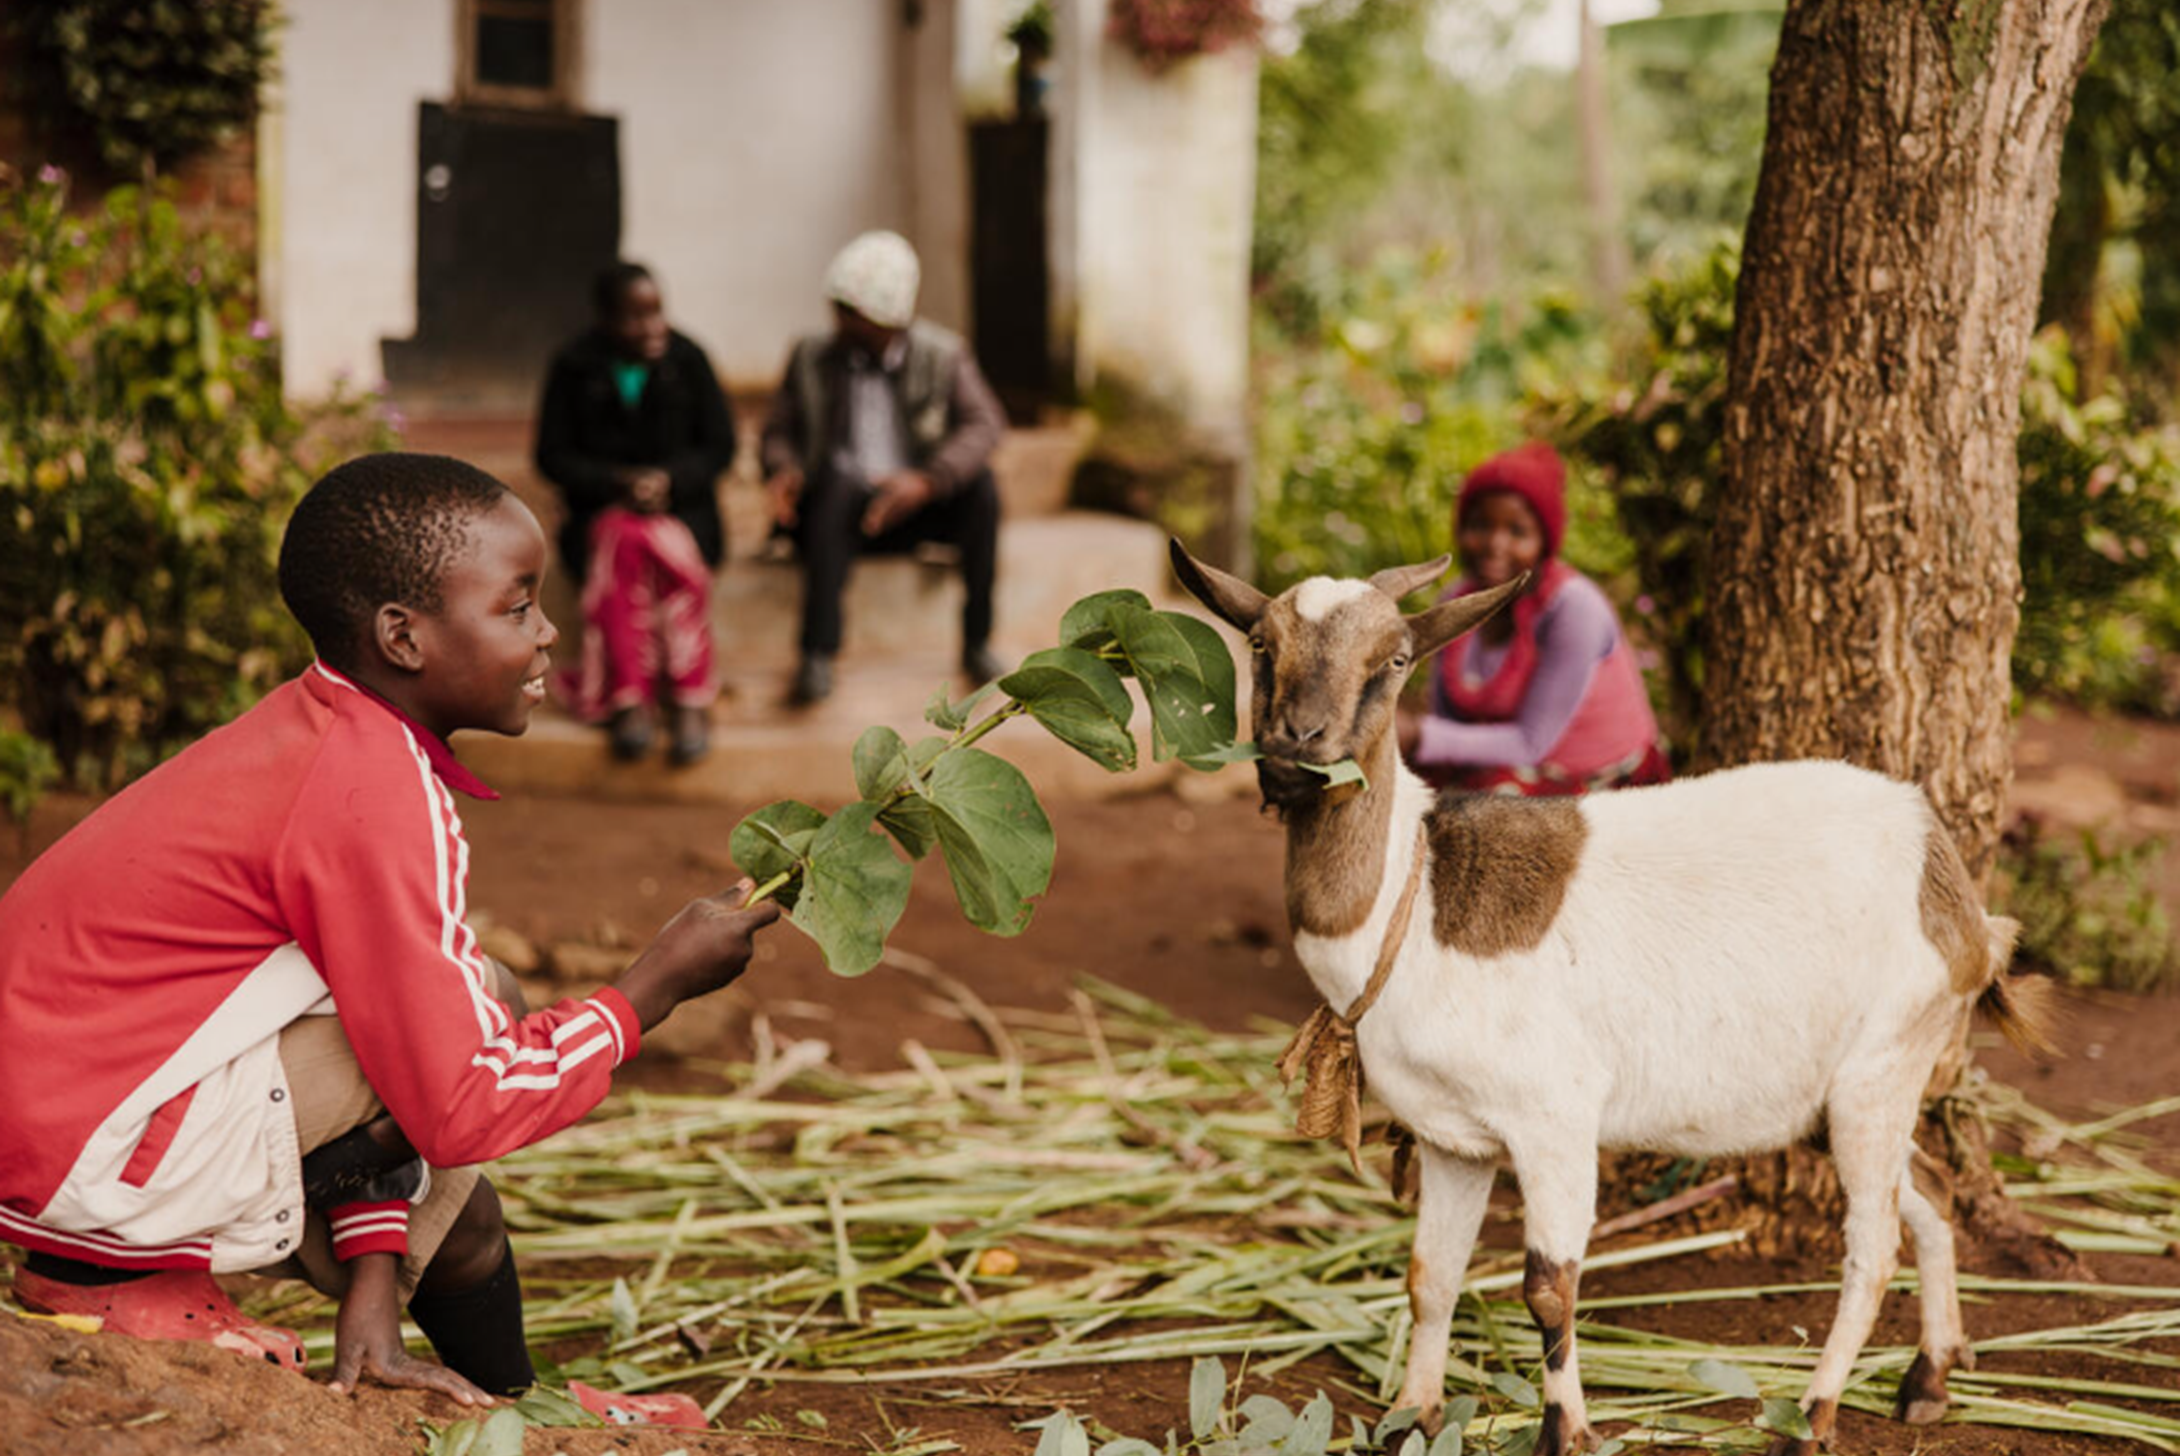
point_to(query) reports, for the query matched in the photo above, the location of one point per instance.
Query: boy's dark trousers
(829, 536)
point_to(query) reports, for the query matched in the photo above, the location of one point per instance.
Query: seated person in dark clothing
(880, 439)
(635, 432)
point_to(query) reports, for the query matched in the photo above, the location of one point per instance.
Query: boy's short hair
(379, 529)
(612, 281)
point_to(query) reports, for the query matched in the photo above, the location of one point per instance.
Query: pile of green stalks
(1115, 1184)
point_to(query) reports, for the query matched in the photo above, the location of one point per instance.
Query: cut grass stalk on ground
(1116, 1185)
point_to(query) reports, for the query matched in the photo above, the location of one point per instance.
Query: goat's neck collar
(1336, 851)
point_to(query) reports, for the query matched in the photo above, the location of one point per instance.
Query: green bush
(2099, 504)
(1365, 428)
(27, 770)
(1655, 436)
(147, 463)
(2088, 913)
(152, 80)
(2100, 543)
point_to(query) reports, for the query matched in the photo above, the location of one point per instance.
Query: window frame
(567, 35)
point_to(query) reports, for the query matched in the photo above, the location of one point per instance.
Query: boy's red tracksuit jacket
(304, 860)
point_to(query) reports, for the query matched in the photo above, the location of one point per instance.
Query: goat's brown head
(1329, 658)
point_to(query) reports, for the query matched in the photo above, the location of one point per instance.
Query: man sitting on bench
(880, 440)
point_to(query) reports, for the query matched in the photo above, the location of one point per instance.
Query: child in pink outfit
(1546, 697)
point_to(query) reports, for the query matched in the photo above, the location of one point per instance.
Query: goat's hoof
(1432, 1419)
(1922, 1399)
(1561, 1436)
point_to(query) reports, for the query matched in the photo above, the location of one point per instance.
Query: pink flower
(195, 276)
(51, 175)
(1646, 604)
(260, 329)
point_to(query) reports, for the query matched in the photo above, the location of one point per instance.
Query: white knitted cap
(876, 275)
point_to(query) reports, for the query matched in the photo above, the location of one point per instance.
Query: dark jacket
(953, 419)
(681, 425)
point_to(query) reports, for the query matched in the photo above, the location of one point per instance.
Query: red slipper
(176, 1304)
(616, 1409)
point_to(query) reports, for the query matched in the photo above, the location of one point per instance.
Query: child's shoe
(616, 1409)
(175, 1304)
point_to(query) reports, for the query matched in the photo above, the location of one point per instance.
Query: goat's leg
(1559, 1198)
(1944, 1345)
(1449, 1210)
(1871, 1129)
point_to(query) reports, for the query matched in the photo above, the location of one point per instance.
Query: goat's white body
(1729, 960)
(1727, 947)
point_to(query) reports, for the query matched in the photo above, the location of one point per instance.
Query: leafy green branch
(842, 878)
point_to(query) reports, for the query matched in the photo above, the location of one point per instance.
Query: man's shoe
(813, 680)
(982, 665)
(630, 733)
(692, 735)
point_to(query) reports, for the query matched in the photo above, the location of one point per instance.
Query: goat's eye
(1398, 662)
(1256, 644)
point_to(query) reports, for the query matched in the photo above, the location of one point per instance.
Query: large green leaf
(1088, 625)
(774, 840)
(997, 840)
(1186, 716)
(881, 762)
(1214, 668)
(1081, 700)
(882, 766)
(854, 890)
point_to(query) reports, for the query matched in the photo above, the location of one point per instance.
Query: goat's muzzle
(1285, 784)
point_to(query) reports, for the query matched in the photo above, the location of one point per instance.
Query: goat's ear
(1232, 598)
(1398, 581)
(1439, 625)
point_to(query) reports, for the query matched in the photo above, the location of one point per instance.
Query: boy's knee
(474, 1246)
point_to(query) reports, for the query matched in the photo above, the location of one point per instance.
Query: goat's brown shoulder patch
(1500, 869)
(1952, 915)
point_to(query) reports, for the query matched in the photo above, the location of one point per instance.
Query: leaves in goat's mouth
(1346, 771)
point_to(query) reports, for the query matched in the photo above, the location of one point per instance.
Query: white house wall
(1154, 180)
(350, 79)
(756, 136)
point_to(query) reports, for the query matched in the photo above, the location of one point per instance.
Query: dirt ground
(1175, 899)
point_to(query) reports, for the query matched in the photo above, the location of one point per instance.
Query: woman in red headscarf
(1545, 697)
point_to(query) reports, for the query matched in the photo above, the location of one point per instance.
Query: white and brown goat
(1711, 967)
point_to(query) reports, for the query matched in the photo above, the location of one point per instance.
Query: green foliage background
(151, 80)
(147, 464)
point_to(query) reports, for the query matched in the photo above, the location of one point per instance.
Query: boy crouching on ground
(243, 1025)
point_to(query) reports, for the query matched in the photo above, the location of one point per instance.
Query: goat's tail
(2021, 1006)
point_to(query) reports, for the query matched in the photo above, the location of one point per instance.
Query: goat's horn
(1398, 581)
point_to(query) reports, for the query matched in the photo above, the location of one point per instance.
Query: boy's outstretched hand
(367, 1338)
(701, 949)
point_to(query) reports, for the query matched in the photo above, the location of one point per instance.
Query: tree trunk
(1865, 564)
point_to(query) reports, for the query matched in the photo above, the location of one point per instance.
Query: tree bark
(1864, 566)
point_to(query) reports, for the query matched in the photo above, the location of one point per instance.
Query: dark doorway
(516, 213)
(1010, 287)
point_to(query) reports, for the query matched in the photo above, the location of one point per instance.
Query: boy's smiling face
(482, 657)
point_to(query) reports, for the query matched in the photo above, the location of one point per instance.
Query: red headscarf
(1535, 473)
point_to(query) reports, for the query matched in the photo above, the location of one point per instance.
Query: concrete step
(900, 606)
(763, 750)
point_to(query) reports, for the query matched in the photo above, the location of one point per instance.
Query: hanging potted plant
(1163, 33)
